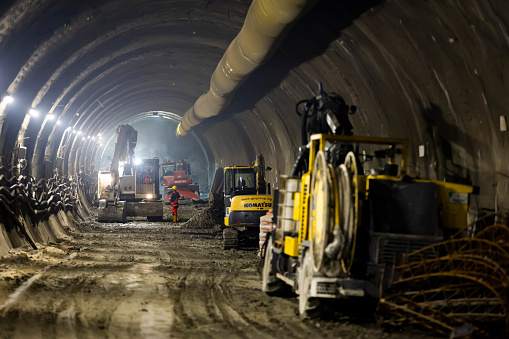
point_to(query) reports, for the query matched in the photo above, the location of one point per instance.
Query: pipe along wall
(264, 24)
(42, 212)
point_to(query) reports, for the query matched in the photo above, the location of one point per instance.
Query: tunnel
(432, 72)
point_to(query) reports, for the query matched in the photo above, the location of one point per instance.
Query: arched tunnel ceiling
(434, 72)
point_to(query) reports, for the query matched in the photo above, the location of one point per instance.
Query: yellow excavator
(129, 189)
(246, 197)
(348, 210)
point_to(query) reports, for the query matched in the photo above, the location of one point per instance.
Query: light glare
(8, 99)
(33, 112)
(105, 178)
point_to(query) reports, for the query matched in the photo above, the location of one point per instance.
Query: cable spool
(333, 215)
(319, 211)
(345, 208)
(350, 207)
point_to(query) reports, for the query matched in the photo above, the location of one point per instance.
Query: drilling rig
(178, 174)
(348, 209)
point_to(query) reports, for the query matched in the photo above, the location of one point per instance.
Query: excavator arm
(124, 151)
(110, 208)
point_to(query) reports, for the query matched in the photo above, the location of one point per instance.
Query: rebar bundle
(457, 287)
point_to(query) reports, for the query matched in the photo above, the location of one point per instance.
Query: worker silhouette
(148, 179)
(174, 202)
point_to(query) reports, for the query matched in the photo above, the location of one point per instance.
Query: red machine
(178, 174)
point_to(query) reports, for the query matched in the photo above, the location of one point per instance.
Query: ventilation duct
(266, 20)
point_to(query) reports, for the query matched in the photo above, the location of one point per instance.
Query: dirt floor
(153, 280)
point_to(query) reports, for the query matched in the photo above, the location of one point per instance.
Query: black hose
(300, 162)
(304, 120)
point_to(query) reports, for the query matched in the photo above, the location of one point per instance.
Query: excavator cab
(240, 181)
(245, 201)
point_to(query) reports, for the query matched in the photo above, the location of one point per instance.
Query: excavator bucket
(111, 213)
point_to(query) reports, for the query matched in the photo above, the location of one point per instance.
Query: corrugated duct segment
(265, 22)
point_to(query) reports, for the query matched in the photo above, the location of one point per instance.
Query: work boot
(174, 218)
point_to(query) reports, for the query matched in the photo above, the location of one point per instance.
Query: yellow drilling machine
(348, 209)
(246, 197)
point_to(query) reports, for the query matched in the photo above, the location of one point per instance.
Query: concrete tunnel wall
(434, 72)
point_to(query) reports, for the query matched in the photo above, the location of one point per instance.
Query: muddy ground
(153, 280)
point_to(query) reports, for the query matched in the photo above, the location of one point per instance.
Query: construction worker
(174, 202)
(147, 179)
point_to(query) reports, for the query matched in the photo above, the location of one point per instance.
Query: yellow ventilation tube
(265, 21)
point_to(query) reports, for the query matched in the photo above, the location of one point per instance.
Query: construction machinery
(348, 209)
(245, 196)
(178, 174)
(129, 190)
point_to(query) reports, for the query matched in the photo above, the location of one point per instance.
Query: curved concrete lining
(433, 72)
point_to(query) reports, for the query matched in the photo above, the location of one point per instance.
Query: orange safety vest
(174, 199)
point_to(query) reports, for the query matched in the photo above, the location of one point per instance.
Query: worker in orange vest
(148, 179)
(174, 202)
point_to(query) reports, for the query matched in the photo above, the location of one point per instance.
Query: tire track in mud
(212, 304)
(92, 310)
(155, 281)
(201, 305)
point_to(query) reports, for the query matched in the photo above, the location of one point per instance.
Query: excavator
(348, 210)
(127, 189)
(245, 196)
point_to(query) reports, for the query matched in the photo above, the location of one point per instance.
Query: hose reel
(333, 215)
